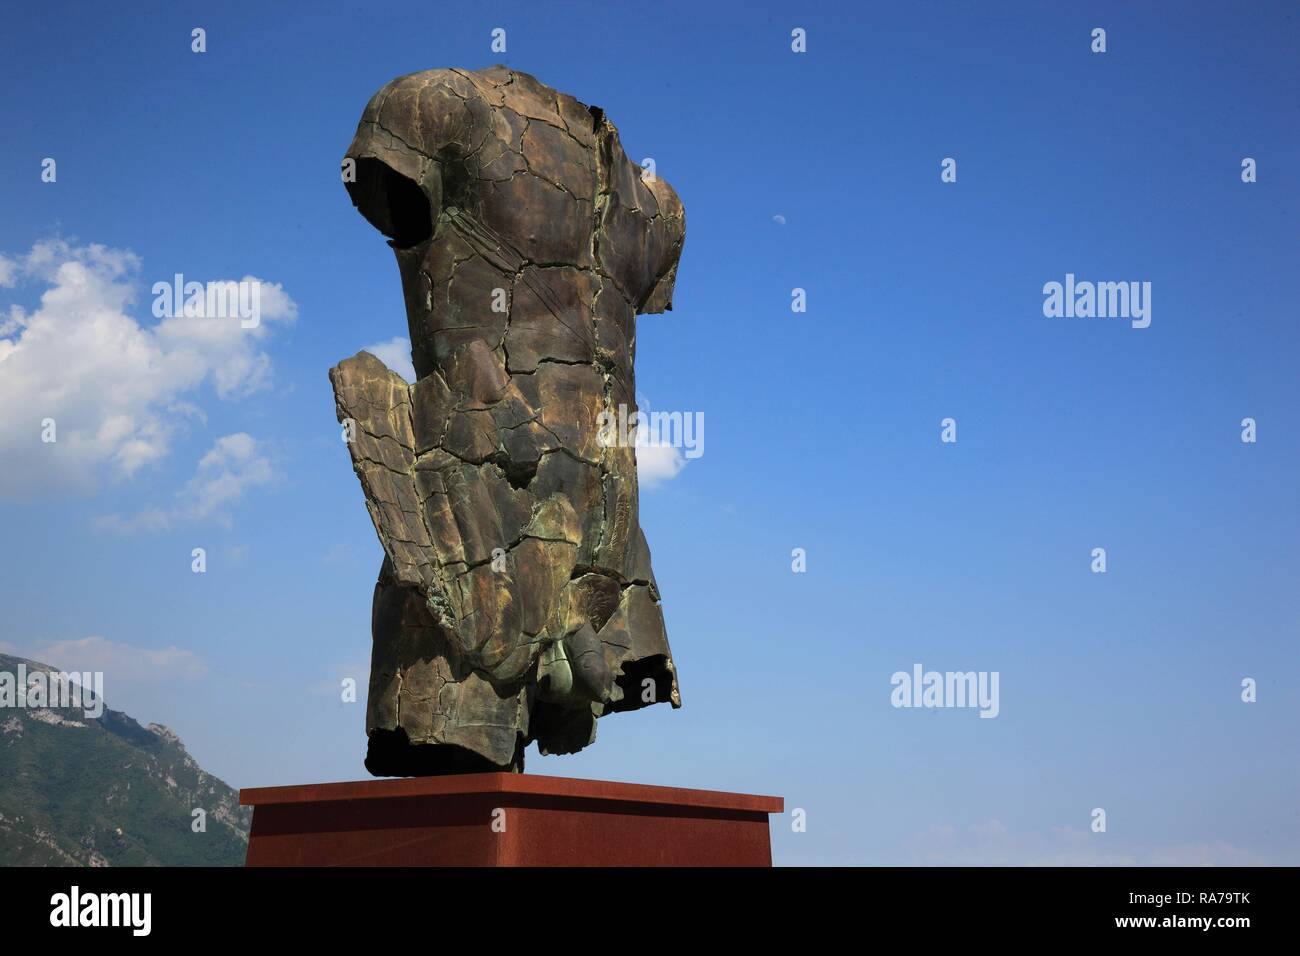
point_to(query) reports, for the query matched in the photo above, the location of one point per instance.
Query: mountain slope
(79, 791)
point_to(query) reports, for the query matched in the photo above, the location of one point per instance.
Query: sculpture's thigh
(419, 695)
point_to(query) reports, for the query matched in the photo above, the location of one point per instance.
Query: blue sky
(1119, 690)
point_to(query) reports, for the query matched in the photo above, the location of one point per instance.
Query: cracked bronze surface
(516, 602)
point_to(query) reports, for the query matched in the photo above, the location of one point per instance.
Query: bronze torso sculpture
(516, 601)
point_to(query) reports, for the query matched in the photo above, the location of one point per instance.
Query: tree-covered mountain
(104, 791)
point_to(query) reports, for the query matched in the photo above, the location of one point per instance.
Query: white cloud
(396, 354)
(658, 457)
(117, 661)
(232, 466)
(117, 390)
(236, 366)
(656, 464)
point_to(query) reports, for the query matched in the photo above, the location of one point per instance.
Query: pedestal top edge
(507, 783)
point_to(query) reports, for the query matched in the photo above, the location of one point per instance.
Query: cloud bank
(111, 392)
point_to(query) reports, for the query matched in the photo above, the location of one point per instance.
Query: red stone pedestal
(505, 819)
